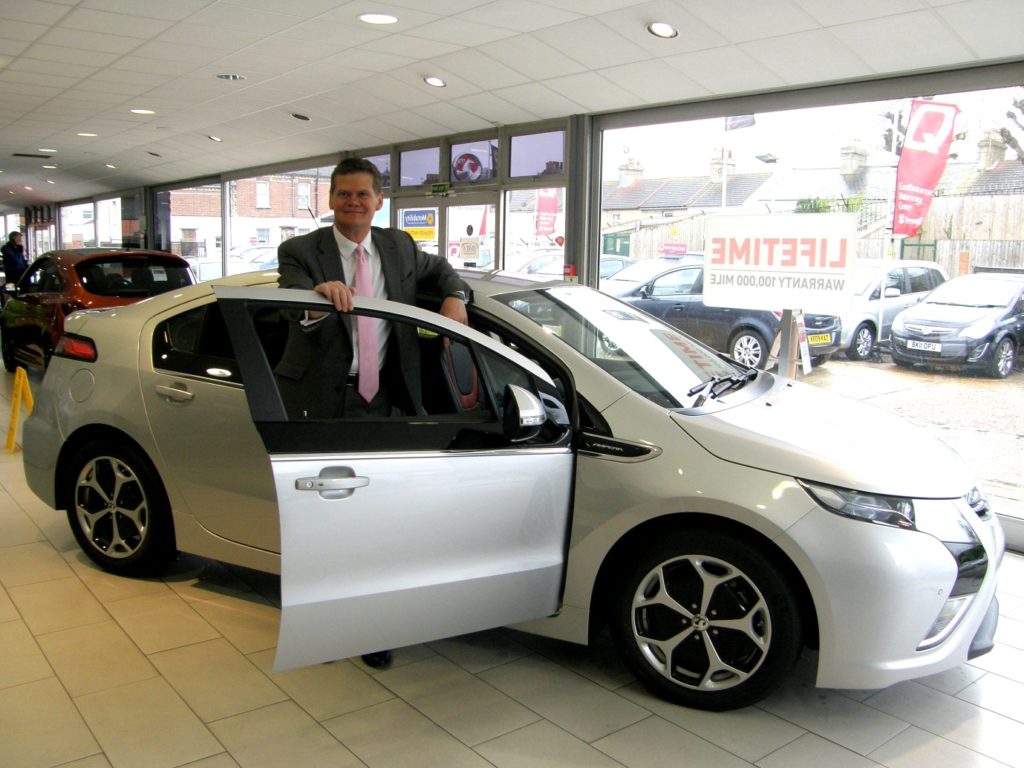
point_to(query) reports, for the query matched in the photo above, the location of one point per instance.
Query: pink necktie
(366, 327)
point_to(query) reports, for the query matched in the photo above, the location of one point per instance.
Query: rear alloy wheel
(1002, 358)
(863, 343)
(118, 510)
(706, 621)
(749, 348)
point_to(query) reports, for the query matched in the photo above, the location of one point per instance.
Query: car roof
(889, 263)
(75, 255)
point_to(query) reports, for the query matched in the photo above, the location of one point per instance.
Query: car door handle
(178, 394)
(331, 483)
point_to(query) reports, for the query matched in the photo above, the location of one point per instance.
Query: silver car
(578, 464)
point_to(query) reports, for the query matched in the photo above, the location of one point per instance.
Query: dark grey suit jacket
(312, 371)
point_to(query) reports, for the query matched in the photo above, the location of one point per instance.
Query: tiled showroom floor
(103, 671)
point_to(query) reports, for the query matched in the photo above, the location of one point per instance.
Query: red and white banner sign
(925, 151)
(547, 211)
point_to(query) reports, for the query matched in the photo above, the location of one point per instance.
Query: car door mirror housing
(892, 292)
(523, 414)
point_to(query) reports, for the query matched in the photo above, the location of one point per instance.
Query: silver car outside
(720, 518)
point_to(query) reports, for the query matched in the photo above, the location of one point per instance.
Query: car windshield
(655, 360)
(133, 276)
(975, 293)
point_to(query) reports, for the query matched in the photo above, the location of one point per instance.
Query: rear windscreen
(133, 277)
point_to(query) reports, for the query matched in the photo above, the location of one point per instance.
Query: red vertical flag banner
(922, 162)
(547, 211)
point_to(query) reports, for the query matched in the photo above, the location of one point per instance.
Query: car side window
(196, 343)
(44, 277)
(678, 282)
(919, 279)
(894, 279)
(935, 278)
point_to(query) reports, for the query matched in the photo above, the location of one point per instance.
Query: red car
(61, 282)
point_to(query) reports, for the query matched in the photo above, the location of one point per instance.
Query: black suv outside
(672, 288)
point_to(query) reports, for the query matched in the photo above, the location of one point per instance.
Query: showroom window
(420, 166)
(77, 226)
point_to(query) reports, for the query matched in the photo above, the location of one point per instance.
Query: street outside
(982, 418)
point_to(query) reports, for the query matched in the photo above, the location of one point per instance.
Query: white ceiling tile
(591, 43)
(17, 30)
(520, 15)
(412, 76)
(398, 93)
(534, 58)
(58, 56)
(787, 56)
(453, 118)
(594, 92)
(474, 66)
(305, 9)
(340, 36)
(654, 82)
(725, 71)
(493, 110)
(218, 39)
(90, 41)
(170, 68)
(37, 78)
(129, 76)
(991, 28)
(832, 12)
(740, 20)
(224, 16)
(540, 100)
(177, 10)
(385, 133)
(128, 25)
(892, 44)
(399, 45)
(592, 7)
(461, 32)
(438, 7)
(414, 123)
(631, 23)
(35, 11)
(11, 48)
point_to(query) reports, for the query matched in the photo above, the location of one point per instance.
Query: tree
(1013, 134)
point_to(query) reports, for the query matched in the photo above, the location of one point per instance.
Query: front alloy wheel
(749, 348)
(1002, 358)
(708, 623)
(863, 343)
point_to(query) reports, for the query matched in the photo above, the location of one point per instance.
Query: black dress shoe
(377, 659)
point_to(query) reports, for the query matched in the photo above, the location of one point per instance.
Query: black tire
(748, 347)
(118, 510)
(7, 351)
(863, 343)
(665, 617)
(1004, 354)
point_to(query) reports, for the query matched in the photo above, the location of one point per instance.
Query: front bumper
(952, 351)
(873, 622)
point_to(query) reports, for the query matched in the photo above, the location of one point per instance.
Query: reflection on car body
(580, 465)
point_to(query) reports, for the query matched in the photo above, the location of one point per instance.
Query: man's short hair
(358, 165)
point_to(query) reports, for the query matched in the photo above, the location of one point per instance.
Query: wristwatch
(460, 295)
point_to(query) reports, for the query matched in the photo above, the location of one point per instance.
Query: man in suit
(318, 374)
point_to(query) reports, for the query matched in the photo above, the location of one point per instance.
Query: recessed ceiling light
(142, 111)
(434, 81)
(300, 116)
(154, 154)
(29, 188)
(215, 138)
(111, 165)
(43, 149)
(230, 76)
(88, 135)
(48, 181)
(662, 29)
(378, 18)
(50, 167)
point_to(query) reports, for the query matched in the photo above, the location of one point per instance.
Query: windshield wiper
(718, 385)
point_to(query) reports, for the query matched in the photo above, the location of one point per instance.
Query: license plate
(819, 338)
(924, 346)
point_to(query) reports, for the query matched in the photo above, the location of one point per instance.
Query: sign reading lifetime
(782, 261)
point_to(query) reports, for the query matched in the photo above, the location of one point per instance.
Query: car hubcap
(701, 623)
(111, 506)
(747, 350)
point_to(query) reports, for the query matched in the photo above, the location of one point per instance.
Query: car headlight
(897, 323)
(978, 330)
(873, 508)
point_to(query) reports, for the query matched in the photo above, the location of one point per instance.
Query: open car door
(406, 529)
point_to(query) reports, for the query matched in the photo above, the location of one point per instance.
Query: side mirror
(892, 292)
(523, 414)
(645, 292)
